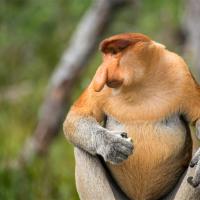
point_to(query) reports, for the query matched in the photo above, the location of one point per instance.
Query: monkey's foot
(195, 181)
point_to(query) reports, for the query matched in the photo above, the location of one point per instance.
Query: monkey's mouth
(114, 84)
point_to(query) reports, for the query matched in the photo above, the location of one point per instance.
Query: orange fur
(157, 162)
(140, 83)
(156, 84)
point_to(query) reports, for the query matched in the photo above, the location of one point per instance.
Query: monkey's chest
(158, 160)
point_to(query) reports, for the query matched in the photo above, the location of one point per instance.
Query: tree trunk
(191, 26)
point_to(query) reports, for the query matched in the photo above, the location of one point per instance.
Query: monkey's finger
(116, 161)
(119, 134)
(124, 135)
(196, 178)
(125, 142)
(195, 158)
(119, 158)
(130, 140)
(123, 149)
(195, 181)
(190, 181)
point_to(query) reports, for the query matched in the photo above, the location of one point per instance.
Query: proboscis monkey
(130, 127)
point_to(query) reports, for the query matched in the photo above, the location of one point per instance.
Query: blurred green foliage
(33, 35)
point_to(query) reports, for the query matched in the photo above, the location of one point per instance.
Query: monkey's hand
(114, 146)
(195, 181)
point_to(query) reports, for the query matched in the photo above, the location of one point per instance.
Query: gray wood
(191, 25)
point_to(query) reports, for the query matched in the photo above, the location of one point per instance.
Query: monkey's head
(126, 60)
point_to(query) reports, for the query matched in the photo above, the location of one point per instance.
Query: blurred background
(48, 55)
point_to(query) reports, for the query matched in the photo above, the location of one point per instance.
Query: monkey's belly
(161, 154)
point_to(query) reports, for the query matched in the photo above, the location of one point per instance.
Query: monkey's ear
(114, 45)
(100, 79)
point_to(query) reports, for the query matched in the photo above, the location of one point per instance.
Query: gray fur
(113, 125)
(185, 191)
(96, 140)
(195, 180)
(113, 147)
(93, 180)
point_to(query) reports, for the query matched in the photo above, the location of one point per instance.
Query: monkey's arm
(82, 128)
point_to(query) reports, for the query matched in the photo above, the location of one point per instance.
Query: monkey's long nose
(114, 78)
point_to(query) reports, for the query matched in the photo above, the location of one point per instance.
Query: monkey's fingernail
(130, 140)
(124, 135)
(190, 181)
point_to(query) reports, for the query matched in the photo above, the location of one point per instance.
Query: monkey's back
(162, 153)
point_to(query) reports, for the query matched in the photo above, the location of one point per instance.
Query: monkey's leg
(92, 179)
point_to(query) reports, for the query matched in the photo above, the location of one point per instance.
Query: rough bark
(191, 26)
(73, 61)
(190, 37)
